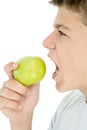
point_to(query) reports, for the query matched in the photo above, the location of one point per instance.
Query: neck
(84, 92)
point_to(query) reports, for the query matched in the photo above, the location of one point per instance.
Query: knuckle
(12, 95)
(4, 83)
(15, 86)
(4, 102)
(1, 103)
(9, 104)
(23, 90)
(7, 92)
(9, 83)
(14, 105)
(9, 67)
(20, 88)
(1, 100)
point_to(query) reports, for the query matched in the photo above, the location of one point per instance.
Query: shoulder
(73, 99)
(73, 105)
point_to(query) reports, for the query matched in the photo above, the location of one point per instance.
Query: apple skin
(31, 70)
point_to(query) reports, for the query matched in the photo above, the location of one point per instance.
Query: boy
(67, 46)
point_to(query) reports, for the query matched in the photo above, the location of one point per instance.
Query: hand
(16, 100)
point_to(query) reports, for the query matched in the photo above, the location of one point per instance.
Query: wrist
(24, 123)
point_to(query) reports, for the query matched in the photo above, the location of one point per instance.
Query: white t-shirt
(71, 113)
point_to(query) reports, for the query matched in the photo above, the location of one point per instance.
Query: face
(67, 46)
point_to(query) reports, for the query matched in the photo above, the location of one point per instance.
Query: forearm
(25, 124)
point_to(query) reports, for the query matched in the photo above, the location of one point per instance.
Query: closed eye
(61, 33)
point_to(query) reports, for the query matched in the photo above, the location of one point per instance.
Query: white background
(23, 26)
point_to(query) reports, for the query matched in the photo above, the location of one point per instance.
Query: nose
(49, 42)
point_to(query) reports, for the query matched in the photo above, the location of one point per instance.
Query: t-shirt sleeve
(51, 126)
(58, 112)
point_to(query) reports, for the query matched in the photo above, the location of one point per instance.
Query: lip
(55, 73)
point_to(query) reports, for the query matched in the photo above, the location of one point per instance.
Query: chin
(63, 88)
(60, 88)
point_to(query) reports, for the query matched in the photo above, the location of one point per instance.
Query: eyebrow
(60, 25)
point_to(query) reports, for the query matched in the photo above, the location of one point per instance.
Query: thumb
(9, 69)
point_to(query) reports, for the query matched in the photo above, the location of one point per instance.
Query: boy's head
(67, 45)
(79, 6)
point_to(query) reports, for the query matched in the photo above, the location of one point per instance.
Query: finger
(15, 86)
(12, 114)
(9, 68)
(8, 112)
(7, 93)
(6, 103)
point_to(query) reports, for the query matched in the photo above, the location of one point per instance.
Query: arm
(17, 102)
(23, 124)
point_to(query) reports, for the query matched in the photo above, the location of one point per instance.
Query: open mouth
(56, 72)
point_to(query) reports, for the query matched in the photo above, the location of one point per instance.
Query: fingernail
(14, 65)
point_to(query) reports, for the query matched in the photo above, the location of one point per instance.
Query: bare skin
(67, 46)
(17, 102)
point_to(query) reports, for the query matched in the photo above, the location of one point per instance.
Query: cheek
(73, 64)
(72, 58)
(69, 61)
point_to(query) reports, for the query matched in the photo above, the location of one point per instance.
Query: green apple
(31, 70)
